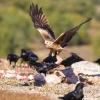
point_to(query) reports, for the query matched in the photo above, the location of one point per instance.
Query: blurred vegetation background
(17, 30)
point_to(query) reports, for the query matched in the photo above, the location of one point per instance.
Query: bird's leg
(45, 74)
(52, 54)
(11, 65)
(58, 52)
(21, 62)
(10, 62)
(14, 65)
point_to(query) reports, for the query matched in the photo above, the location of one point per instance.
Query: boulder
(81, 68)
(86, 67)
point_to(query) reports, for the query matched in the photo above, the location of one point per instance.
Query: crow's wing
(41, 23)
(68, 96)
(66, 37)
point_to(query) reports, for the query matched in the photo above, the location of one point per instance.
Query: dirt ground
(91, 92)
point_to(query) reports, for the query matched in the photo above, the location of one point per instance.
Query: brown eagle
(42, 25)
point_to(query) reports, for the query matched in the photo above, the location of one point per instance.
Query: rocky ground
(91, 92)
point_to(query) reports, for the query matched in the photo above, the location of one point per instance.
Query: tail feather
(66, 50)
(61, 97)
(77, 27)
(85, 21)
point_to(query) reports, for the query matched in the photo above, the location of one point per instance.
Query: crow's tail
(61, 97)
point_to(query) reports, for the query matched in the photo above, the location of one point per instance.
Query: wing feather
(66, 37)
(41, 23)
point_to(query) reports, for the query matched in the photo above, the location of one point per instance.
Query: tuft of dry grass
(7, 95)
(55, 89)
(12, 82)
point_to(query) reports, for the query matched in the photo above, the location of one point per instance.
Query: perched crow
(77, 94)
(97, 61)
(12, 58)
(72, 59)
(50, 58)
(24, 55)
(42, 67)
(27, 55)
(33, 56)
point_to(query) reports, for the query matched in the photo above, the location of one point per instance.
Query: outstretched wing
(66, 37)
(41, 23)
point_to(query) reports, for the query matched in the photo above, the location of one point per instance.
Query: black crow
(72, 59)
(27, 55)
(50, 58)
(77, 94)
(97, 61)
(24, 55)
(42, 67)
(12, 58)
(33, 56)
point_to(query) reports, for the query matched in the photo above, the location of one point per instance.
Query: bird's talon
(52, 54)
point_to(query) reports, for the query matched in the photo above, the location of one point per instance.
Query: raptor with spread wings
(42, 25)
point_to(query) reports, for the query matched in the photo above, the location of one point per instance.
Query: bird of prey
(42, 25)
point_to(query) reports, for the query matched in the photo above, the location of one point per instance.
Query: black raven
(12, 58)
(50, 58)
(25, 55)
(97, 61)
(77, 94)
(32, 56)
(72, 59)
(42, 67)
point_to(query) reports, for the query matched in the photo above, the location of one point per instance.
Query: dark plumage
(97, 61)
(12, 58)
(24, 55)
(50, 58)
(72, 59)
(32, 56)
(42, 67)
(27, 55)
(42, 25)
(77, 94)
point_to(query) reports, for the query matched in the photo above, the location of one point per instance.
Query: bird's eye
(46, 42)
